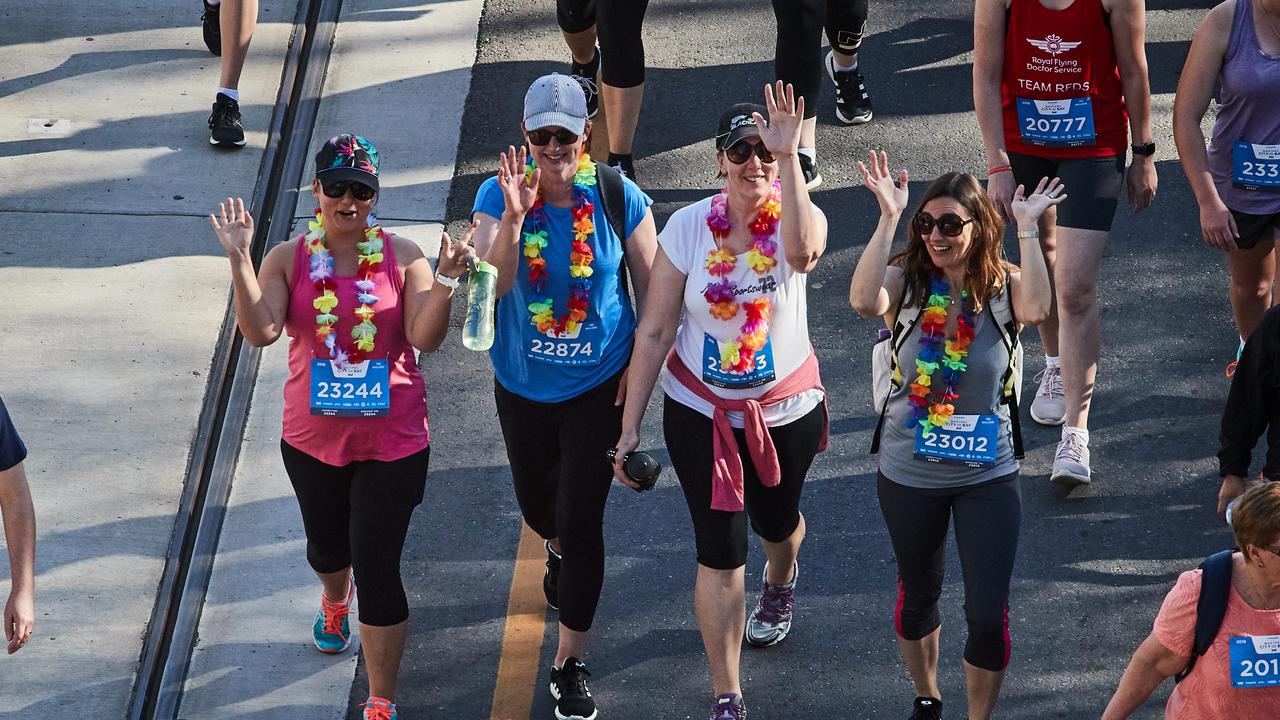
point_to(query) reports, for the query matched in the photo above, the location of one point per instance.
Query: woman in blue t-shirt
(562, 341)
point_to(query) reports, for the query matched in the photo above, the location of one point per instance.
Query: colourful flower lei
(935, 354)
(541, 311)
(738, 355)
(323, 278)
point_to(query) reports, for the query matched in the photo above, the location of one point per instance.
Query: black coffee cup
(639, 466)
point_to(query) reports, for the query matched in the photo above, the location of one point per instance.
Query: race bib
(1255, 167)
(712, 373)
(580, 347)
(1056, 123)
(357, 390)
(968, 440)
(1255, 661)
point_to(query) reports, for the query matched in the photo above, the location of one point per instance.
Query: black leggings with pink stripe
(988, 516)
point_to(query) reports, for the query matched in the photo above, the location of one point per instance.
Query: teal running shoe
(376, 708)
(332, 630)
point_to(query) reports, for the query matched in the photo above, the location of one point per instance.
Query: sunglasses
(542, 136)
(359, 191)
(950, 224)
(742, 150)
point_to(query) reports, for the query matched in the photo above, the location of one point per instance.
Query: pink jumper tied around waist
(726, 473)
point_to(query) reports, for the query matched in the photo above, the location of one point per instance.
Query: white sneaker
(1071, 464)
(1050, 405)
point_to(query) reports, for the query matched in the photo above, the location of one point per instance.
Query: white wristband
(451, 283)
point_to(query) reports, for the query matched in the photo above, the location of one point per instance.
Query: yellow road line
(522, 638)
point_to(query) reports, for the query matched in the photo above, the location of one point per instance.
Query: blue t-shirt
(12, 451)
(547, 369)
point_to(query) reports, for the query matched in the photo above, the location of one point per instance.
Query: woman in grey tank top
(945, 446)
(1237, 181)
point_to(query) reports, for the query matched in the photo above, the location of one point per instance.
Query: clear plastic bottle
(477, 331)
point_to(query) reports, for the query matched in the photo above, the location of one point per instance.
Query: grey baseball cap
(555, 100)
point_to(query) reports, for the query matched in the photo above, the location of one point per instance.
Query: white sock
(1082, 433)
(213, 3)
(811, 153)
(835, 60)
(1051, 361)
(231, 93)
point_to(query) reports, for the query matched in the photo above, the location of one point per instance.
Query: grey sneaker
(770, 621)
(728, 707)
(1071, 464)
(1050, 405)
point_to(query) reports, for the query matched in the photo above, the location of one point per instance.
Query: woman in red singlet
(1060, 87)
(355, 301)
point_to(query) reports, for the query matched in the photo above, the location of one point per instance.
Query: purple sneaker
(729, 706)
(770, 621)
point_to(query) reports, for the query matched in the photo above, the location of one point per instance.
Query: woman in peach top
(1252, 611)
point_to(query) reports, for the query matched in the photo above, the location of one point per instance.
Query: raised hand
(518, 192)
(454, 256)
(1027, 210)
(877, 178)
(781, 135)
(234, 227)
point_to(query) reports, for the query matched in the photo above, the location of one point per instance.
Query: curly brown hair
(987, 271)
(1256, 519)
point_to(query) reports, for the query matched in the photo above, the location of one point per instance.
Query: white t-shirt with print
(686, 240)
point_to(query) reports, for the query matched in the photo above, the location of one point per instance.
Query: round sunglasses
(950, 224)
(359, 190)
(742, 151)
(542, 136)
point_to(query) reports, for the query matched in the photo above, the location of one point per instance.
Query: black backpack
(613, 196)
(1215, 590)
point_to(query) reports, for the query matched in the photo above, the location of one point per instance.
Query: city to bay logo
(1053, 45)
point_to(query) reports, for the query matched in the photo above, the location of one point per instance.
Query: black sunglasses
(359, 190)
(950, 224)
(741, 151)
(542, 136)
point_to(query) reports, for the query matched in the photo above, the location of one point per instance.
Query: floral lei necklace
(323, 278)
(935, 353)
(738, 355)
(541, 312)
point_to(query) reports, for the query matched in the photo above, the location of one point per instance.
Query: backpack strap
(1001, 310)
(613, 199)
(904, 319)
(1211, 607)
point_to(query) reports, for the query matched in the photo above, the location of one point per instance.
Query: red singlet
(1060, 87)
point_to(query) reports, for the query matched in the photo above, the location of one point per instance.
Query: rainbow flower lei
(323, 278)
(935, 354)
(541, 310)
(738, 355)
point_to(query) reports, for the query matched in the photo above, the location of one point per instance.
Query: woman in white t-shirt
(745, 411)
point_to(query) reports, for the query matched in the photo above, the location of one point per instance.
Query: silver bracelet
(1023, 234)
(451, 283)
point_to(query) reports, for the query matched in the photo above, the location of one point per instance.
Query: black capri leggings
(562, 479)
(357, 516)
(618, 26)
(721, 536)
(988, 517)
(798, 56)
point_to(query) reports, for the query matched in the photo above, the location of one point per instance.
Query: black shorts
(1255, 228)
(1093, 186)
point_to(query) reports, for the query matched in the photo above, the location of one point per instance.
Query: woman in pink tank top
(354, 301)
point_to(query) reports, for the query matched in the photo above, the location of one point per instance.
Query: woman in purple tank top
(1237, 180)
(355, 301)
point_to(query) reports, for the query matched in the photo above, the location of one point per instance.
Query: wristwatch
(451, 283)
(1146, 149)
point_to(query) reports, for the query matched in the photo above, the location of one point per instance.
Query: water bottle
(639, 466)
(477, 331)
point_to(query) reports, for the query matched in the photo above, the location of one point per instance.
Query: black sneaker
(586, 77)
(569, 688)
(728, 707)
(224, 122)
(212, 30)
(927, 708)
(624, 165)
(809, 167)
(853, 104)
(551, 578)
